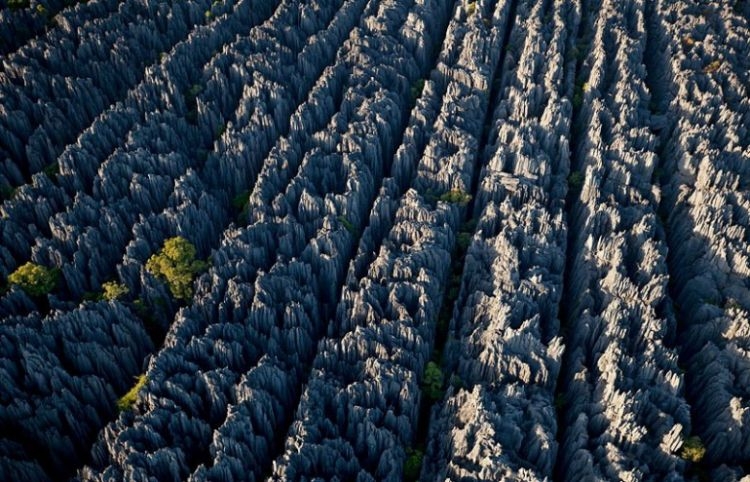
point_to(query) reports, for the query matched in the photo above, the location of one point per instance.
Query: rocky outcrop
(359, 413)
(257, 315)
(705, 202)
(546, 200)
(498, 419)
(61, 376)
(624, 412)
(56, 84)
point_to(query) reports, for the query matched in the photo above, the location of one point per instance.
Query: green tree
(456, 196)
(34, 279)
(693, 449)
(463, 240)
(127, 401)
(348, 225)
(575, 180)
(113, 290)
(433, 381)
(413, 465)
(416, 89)
(176, 264)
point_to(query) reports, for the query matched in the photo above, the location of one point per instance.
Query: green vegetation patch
(127, 401)
(575, 180)
(456, 196)
(693, 449)
(432, 385)
(176, 264)
(413, 464)
(347, 225)
(18, 4)
(34, 279)
(240, 200)
(416, 89)
(463, 240)
(112, 290)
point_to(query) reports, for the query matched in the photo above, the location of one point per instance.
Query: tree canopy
(34, 279)
(112, 290)
(176, 264)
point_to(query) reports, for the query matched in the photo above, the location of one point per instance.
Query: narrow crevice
(326, 310)
(578, 50)
(463, 239)
(658, 79)
(575, 179)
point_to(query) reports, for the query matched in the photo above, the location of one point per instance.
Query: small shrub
(413, 464)
(176, 264)
(571, 54)
(456, 382)
(433, 381)
(34, 279)
(144, 312)
(712, 67)
(91, 296)
(575, 180)
(471, 7)
(578, 90)
(347, 225)
(732, 304)
(7, 192)
(51, 170)
(452, 295)
(443, 321)
(688, 41)
(463, 240)
(127, 401)
(18, 4)
(113, 290)
(220, 130)
(416, 89)
(194, 90)
(469, 226)
(456, 196)
(693, 449)
(240, 200)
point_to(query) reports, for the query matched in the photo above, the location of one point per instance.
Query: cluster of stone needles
(374, 240)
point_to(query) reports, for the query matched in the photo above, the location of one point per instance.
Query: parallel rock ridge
(488, 240)
(706, 205)
(625, 412)
(498, 420)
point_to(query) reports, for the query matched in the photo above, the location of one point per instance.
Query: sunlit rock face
(429, 240)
